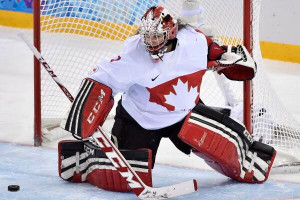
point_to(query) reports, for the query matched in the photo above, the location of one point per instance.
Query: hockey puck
(13, 188)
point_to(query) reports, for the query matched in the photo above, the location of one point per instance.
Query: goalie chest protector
(157, 94)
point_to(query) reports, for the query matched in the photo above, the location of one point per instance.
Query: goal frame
(37, 76)
(247, 85)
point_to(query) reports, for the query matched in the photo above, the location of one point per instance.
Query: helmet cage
(154, 41)
(157, 27)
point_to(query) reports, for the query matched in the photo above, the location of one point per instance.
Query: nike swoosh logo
(153, 79)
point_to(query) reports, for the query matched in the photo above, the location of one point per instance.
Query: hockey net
(75, 34)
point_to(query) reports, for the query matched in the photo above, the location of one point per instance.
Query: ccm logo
(248, 136)
(96, 107)
(89, 150)
(118, 163)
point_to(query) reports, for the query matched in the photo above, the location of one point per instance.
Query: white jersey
(157, 94)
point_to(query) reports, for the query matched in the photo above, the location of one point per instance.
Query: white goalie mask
(157, 27)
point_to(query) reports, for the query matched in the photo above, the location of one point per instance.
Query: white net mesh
(78, 33)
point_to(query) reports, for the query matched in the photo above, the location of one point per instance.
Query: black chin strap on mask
(159, 54)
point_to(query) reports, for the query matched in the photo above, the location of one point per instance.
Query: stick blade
(169, 191)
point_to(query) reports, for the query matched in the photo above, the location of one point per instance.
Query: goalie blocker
(89, 109)
(81, 161)
(227, 146)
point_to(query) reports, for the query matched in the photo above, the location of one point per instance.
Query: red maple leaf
(157, 94)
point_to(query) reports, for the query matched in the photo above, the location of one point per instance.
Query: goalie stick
(119, 162)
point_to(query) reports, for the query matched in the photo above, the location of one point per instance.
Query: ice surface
(35, 170)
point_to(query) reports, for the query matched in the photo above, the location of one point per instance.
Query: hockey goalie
(159, 73)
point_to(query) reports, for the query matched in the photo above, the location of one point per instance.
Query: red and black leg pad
(227, 146)
(81, 161)
(89, 109)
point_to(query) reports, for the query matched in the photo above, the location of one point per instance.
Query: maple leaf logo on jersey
(94, 70)
(181, 92)
(178, 94)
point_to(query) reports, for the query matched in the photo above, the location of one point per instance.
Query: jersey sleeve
(195, 48)
(113, 75)
(117, 72)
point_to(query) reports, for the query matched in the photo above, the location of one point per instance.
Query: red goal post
(37, 75)
(73, 35)
(247, 86)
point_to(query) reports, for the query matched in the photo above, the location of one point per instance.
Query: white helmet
(157, 27)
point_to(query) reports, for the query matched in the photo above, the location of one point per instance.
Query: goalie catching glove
(81, 161)
(227, 146)
(89, 109)
(234, 62)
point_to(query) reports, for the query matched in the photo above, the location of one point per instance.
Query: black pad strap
(213, 114)
(138, 155)
(69, 148)
(73, 153)
(209, 112)
(263, 148)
